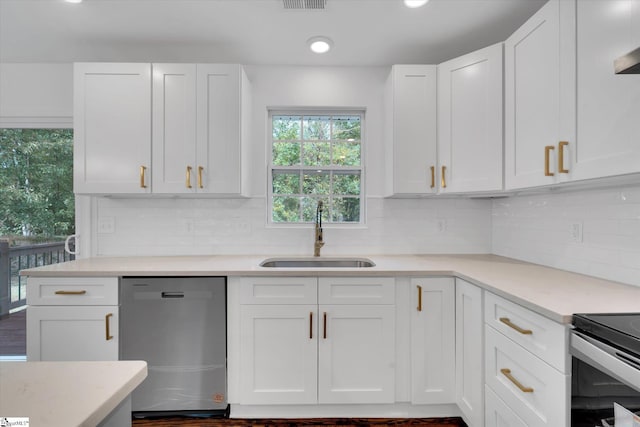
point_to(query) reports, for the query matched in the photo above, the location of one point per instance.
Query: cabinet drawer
(356, 290)
(72, 291)
(531, 388)
(498, 414)
(278, 290)
(541, 336)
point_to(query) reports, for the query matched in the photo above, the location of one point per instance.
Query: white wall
(538, 228)
(40, 94)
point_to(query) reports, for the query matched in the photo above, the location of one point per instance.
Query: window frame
(271, 168)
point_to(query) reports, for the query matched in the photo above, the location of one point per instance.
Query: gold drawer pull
(561, 146)
(507, 373)
(443, 179)
(433, 176)
(142, 174)
(547, 154)
(200, 169)
(419, 308)
(188, 180)
(106, 323)
(71, 292)
(508, 322)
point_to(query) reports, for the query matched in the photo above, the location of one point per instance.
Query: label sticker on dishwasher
(218, 398)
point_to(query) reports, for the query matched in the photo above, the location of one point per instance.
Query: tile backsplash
(594, 232)
(176, 226)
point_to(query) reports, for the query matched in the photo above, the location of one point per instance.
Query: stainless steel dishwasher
(178, 325)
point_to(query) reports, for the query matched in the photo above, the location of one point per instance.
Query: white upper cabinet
(195, 117)
(608, 104)
(224, 105)
(470, 137)
(411, 130)
(112, 128)
(539, 97)
(174, 128)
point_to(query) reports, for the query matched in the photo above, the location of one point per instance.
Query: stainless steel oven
(605, 351)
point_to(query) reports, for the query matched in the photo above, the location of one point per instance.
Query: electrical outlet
(576, 232)
(106, 225)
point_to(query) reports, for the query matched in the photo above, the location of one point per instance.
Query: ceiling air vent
(305, 4)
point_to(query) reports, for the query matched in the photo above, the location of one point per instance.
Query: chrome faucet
(319, 243)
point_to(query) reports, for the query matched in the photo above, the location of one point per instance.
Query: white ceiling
(365, 32)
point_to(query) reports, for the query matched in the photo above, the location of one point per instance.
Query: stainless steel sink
(317, 263)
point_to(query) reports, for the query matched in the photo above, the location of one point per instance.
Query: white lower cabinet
(279, 354)
(526, 365)
(356, 354)
(72, 319)
(433, 341)
(469, 352)
(338, 353)
(498, 414)
(72, 333)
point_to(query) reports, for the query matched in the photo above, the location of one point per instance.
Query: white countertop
(66, 394)
(554, 293)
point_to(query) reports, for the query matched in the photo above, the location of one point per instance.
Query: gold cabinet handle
(70, 292)
(561, 146)
(443, 179)
(311, 325)
(324, 327)
(508, 322)
(547, 154)
(188, 182)
(106, 323)
(143, 170)
(433, 177)
(200, 169)
(507, 373)
(419, 308)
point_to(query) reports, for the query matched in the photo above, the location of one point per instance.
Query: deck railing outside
(16, 258)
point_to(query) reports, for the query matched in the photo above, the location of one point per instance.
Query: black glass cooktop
(619, 329)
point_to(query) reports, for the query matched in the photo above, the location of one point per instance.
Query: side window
(36, 184)
(316, 157)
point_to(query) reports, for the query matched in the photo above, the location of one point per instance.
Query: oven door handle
(618, 364)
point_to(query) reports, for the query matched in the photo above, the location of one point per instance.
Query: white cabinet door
(222, 128)
(59, 333)
(278, 354)
(469, 352)
(411, 134)
(608, 104)
(470, 122)
(174, 128)
(539, 96)
(356, 354)
(433, 341)
(112, 128)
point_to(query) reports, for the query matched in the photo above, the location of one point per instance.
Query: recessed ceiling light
(73, 1)
(320, 44)
(415, 3)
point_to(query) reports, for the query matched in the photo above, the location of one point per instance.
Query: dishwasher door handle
(172, 294)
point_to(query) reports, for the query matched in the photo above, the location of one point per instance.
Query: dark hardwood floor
(13, 334)
(344, 422)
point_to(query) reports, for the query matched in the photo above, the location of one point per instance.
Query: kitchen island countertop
(554, 293)
(66, 394)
